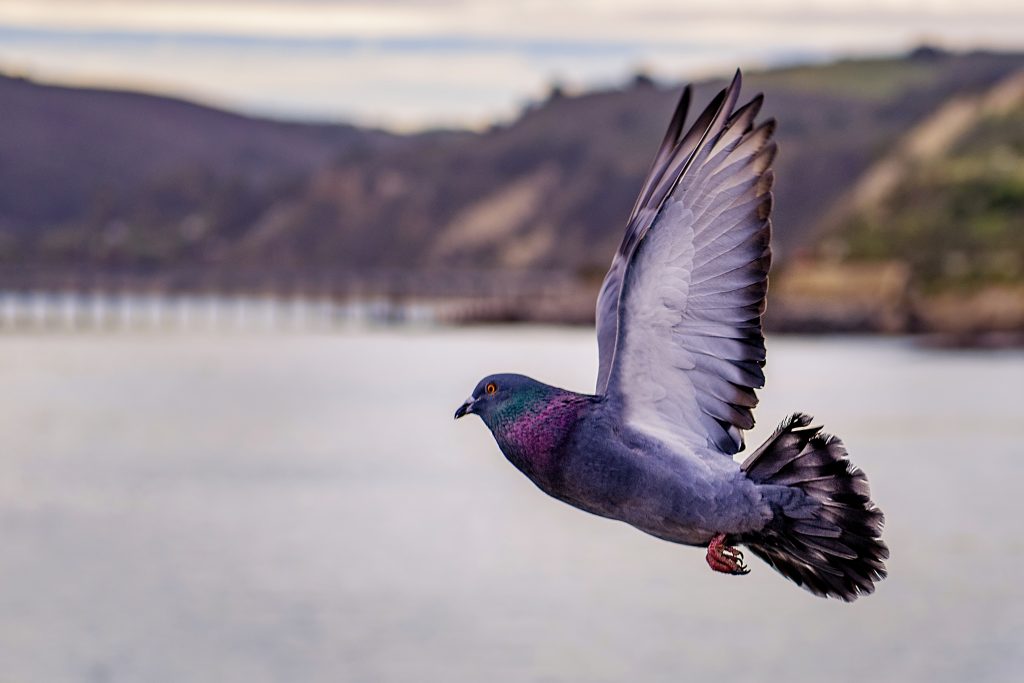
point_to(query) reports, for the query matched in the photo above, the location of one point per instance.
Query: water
(301, 507)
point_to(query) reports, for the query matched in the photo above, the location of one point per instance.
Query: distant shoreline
(107, 311)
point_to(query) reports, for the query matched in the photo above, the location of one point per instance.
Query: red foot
(724, 558)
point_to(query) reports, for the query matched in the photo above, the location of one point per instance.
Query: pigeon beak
(465, 409)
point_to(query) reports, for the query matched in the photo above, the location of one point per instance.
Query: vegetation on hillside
(958, 220)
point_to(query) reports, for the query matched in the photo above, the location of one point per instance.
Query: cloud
(569, 19)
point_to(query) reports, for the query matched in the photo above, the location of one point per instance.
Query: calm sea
(302, 507)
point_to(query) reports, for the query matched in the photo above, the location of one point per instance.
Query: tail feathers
(826, 535)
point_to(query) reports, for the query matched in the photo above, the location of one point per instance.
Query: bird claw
(724, 558)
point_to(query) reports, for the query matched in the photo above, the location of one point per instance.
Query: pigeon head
(530, 420)
(503, 396)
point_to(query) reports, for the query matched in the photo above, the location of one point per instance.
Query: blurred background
(254, 254)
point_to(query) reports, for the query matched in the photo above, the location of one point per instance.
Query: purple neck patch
(534, 434)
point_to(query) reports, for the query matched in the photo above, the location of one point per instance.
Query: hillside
(950, 218)
(100, 186)
(119, 178)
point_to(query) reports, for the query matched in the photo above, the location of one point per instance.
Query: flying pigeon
(681, 353)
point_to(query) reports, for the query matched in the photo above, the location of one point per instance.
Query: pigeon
(681, 353)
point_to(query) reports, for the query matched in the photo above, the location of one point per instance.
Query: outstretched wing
(679, 315)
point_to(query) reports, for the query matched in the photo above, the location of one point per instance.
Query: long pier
(54, 299)
(70, 311)
(75, 311)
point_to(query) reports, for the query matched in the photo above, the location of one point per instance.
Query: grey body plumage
(623, 474)
(681, 355)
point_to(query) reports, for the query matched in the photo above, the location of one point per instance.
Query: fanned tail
(826, 534)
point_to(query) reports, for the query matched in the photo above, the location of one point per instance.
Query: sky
(409, 64)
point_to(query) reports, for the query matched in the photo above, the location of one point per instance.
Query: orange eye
(491, 388)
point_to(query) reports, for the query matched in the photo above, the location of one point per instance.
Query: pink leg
(724, 558)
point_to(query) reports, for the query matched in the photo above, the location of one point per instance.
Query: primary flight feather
(681, 355)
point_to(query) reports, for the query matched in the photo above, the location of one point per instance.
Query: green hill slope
(956, 220)
(946, 212)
